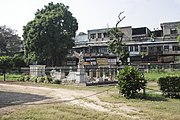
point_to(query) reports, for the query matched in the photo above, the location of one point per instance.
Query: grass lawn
(154, 105)
(10, 77)
(155, 75)
(60, 112)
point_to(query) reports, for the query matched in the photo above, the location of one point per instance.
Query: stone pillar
(104, 76)
(91, 73)
(37, 70)
(110, 74)
(97, 73)
(114, 74)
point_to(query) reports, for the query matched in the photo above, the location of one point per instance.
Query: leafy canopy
(9, 41)
(5, 64)
(49, 35)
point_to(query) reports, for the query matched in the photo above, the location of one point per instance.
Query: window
(143, 49)
(104, 50)
(136, 48)
(131, 48)
(176, 48)
(99, 35)
(166, 48)
(174, 31)
(93, 36)
(105, 35)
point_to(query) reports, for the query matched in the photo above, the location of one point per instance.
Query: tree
(10, 43)
(18, 61)
(130, 80)
(5, 64)
(116, 46)
(48, 37)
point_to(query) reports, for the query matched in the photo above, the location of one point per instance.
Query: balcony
(171, 52)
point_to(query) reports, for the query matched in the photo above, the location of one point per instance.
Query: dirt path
(13, 97)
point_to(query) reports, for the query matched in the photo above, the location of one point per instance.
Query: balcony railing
(171, 52)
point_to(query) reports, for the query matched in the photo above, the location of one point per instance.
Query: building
(145, 46)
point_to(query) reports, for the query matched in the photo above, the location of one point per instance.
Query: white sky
(95, 14)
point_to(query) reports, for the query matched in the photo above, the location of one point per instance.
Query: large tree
(48, 37)
(10, 43)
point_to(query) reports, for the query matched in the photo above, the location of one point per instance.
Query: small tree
(5, 64)
(130, 81)
(116, 46)
(18, 62)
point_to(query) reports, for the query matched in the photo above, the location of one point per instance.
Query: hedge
(170, 86)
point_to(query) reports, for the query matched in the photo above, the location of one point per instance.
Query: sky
(95, 14)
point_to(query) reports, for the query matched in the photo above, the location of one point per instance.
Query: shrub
(21, 78)
(170, 86)
(26, 78)
(56, 81)
(130, 81)
(48, 79)
(33, 79)
(40, 79)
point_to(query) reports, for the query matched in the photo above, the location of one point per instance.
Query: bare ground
(15, 97)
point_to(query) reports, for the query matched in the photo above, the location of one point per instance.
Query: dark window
(166, 48)
(138, 31)
(93, 36)
(131, 48)
(174, 31)
(176, 48)
(143, 49)
(136, 48)
(105, 35)
(99, 35)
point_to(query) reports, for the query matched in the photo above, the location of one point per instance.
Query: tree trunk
(4, 74)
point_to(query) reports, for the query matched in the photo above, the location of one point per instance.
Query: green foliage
(5, 64)
(48, 37)
(56, 81)
(18, 61)
(21, 78)
(33, 79)
(130, 81)
(40, 79)
(7, 35)
(48, 79)
(43, 79)
(26, 78)
(155, 74)
(116, 46)
(170, 86)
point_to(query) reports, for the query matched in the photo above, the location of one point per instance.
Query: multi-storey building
(145, 46)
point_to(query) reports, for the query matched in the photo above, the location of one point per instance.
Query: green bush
(20, 78)
(56, 81)
(48, 79)
(33, 79)
(26, 78)
(130, 81)
(170, 86)
(40, 79)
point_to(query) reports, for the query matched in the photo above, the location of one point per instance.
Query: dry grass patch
(60, 112)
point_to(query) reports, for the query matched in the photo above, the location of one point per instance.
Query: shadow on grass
(151, 97)
(15, 98)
